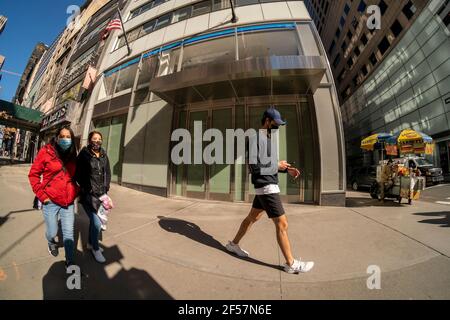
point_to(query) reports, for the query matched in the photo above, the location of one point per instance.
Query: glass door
(196, 173)
(219, 175)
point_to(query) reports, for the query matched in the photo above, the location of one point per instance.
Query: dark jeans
(95, 226)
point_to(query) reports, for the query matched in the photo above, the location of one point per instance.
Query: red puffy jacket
(57, 185)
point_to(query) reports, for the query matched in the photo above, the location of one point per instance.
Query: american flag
(114, 24)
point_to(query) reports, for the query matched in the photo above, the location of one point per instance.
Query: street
(159, 248)
(439, 194)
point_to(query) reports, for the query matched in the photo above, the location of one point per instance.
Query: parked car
(363, 177)
(433, 174)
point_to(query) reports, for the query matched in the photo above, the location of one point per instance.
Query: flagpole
(124, 33)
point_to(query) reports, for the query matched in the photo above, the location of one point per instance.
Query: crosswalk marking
(443, 202)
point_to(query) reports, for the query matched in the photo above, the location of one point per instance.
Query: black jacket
(260, 180)
(93, 174)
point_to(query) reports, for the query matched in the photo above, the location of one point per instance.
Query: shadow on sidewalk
(444, 221)
(111, 281)
(359, 202)
(194, 232)
(5, 218)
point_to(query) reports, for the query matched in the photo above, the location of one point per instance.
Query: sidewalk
(159, 248)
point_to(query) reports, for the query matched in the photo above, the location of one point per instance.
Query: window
(276, 43)
(344, 45)
(158, 2)
(364, 39)
(148, 69)
(338, 33)
(383, 7)
(408, 10)
(342, 22)
(220, 4)
(355, 23)
(222, 50)
(144, 8)
(201, 8)
(337, 60)
(357, 51)
(147, 28)
(384, 45)
(349, 35)
(163, 21)
(133, 34)
(355, 81)
(373, 59)
(240, 3)
(182, 14)
(331, 47)
(364, 70)
(110, 82)
(326, 7)
(350, 62)
(341, 75)
(362, 6)
(346, 9)
(126, 77)
(396, 28)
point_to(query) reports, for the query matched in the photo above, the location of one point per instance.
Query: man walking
(268, 199)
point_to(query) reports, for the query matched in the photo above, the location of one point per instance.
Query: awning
(21, 113)
(260, 76)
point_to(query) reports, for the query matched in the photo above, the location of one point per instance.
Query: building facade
(189, 63)
(409, 89)
(3, 21)
(29, 73)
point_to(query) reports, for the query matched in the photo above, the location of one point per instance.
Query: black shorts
(271, 203)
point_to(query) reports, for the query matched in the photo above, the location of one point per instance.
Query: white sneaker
(98, 256)
(89, 247)
(299, 266)
(232, 247)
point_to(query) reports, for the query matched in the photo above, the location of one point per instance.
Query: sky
(29, 22)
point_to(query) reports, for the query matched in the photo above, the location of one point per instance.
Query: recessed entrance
(232, 182)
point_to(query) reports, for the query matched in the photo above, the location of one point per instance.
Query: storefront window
(148, 69)
(126, 77)
(263, 44)
(110, 82)
(16, 143)
(206, 52)
(168, 62)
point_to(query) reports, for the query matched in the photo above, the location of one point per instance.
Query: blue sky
(29, 22)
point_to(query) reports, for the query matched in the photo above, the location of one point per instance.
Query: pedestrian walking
(52, 179)
(267, 199)
(94, 177)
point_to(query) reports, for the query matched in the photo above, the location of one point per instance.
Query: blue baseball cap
(274, 114)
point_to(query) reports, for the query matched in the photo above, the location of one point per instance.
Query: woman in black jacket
(94, 177)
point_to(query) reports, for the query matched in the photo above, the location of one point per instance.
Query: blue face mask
(65, 143)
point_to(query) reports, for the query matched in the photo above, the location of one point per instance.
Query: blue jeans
(95, 226)
(51, 212)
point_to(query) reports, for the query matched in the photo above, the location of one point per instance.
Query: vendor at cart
(386, 178)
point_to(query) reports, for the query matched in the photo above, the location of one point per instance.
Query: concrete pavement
(159, 248)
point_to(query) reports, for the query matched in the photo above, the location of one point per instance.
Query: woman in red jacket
(56, 164)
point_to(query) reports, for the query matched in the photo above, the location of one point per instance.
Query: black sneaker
(53, 249)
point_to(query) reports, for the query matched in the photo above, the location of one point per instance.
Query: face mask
(95, 145)
(64, 143)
